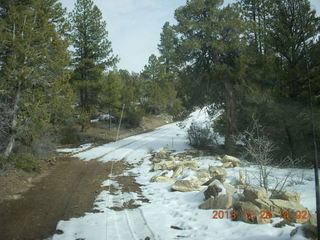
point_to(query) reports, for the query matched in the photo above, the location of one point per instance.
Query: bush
(134, 116)
(200, 135)
(70, 135)
(24, 161)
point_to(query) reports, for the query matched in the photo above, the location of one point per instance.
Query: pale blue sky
(134, 26)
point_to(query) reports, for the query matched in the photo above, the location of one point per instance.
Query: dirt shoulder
(68, 191)
(31, 204)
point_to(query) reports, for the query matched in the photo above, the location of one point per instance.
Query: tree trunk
(230, 118)
(14, 121)
(290, 142)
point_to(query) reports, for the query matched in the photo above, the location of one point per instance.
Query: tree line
(255, 59)
(58, 69)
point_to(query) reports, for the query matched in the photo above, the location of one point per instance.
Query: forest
(257, 61)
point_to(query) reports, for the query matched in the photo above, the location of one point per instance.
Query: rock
(242, 177)
(235, 161)
(171, 158)
(310, 229)
(222, 201)
(186, 186)
(165, 165)
(249, 213)
(227, 165)
(164, 153)
(178, 172)
(218, 173)
(162, 179)
(252, 193)
(219, 159)
(265, 204)
(296, 212)
(308, 233)
(229, 188)
(188, 157)
(287, 195)
(283, 223)
(213, 189)
(189, 164)
(155, 160)
(203, 176)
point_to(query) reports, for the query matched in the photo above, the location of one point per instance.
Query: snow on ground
(73, 150)
(168, 209)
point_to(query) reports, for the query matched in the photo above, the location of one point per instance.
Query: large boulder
(235, 161)
(222, 201)
(186, 186)
(252, 193)
(218, 173)
(296, 212)
(165, 165)
(213, 189)
(287, 195)
(162, 179)
(249, 213)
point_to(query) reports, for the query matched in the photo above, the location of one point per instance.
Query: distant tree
(92, 51)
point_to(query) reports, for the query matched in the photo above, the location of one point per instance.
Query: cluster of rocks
(250, 204)
(165, 162)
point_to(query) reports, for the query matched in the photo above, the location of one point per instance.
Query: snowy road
(168, 215)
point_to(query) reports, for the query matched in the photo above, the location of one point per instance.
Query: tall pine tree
(92, 51)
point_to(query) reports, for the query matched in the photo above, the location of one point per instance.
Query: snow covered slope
(168, 215)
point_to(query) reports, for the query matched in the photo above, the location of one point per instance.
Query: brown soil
(31, 204)
(67, 191)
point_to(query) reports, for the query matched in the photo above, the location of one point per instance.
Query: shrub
(24, 161)
(134, 116)
(70, 135)
(200, 135)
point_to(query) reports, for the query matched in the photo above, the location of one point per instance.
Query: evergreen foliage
(34, 79)
(92, 51)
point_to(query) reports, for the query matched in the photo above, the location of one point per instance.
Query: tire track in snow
(138, 227)
(142, 136)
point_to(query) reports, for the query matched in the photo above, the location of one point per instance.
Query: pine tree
(33, 69)
(93, 52)
(211, 48)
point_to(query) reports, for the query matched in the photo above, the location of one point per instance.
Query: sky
(134, 26)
